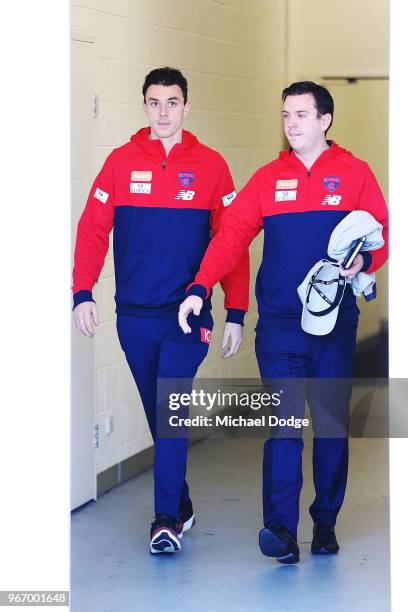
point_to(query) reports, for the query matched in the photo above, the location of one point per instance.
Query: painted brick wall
(338, 38)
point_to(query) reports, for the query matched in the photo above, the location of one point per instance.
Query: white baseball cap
(321, 293)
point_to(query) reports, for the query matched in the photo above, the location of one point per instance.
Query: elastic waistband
(154, 311)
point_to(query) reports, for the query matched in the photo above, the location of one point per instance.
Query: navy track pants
(283, 351)
(156, 347)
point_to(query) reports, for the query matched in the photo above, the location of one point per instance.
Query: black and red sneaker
(187, 517)
(164, 534)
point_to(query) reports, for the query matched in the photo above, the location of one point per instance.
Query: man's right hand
(192, 303)
(85, 314)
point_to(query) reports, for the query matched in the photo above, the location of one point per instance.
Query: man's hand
(85, 314)
(191, 304)
(354, 269)
(233, 333)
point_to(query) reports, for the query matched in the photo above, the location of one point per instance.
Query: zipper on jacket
(163, 192)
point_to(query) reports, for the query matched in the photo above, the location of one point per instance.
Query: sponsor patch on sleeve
(285, 196)
(101, 195)
(227, 199)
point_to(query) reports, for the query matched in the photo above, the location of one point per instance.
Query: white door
(83, 473)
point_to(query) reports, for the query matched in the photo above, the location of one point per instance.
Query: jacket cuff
(82, 296)
(235, 315)
(198, 290)
(367, 260)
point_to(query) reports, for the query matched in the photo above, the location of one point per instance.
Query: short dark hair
(165, 76)
(323, 100)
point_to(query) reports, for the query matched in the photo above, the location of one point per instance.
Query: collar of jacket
(154, 148)
(288, 157)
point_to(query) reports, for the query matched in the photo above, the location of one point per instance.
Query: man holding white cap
(324, 285)
(298, 199)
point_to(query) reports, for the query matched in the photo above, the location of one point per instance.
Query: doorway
(83, 372)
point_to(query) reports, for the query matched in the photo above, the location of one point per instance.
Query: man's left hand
(354, 269)
(233, 333)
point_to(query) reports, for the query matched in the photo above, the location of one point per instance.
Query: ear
(187, 107)
(326, 119)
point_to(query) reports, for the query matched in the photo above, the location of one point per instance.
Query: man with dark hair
(165, 194)
(323, 100)
(298, 200)
(167, 77)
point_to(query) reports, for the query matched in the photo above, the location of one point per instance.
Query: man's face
(304, 129)
(165, 110)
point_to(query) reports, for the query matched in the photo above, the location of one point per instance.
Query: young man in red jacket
(164, 193)
(298, 199)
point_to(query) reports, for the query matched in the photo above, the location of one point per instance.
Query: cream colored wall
(337, 37)
(334, 38)
(233, 55)
(361, 125)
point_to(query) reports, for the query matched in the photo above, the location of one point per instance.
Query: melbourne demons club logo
(186, 178)
(205, 335)
(331, 182)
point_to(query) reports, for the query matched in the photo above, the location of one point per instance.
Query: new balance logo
(332, 200)
(185, 195)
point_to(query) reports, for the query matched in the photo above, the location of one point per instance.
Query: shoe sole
(324, 551)
(188, 524)
(164, 542)
(272, 546)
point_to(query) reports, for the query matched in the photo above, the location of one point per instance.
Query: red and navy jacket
(298, 209)
(164, 210)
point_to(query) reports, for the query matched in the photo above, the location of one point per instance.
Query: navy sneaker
(279, 542)
(187, 517)
(164, 534)
(324, 540)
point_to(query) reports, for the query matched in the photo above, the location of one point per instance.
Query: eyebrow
(297, 111)
(168, 99)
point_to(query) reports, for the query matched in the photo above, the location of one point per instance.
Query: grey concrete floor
(220, 566)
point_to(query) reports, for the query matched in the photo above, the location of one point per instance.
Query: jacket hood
(154, 148)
